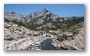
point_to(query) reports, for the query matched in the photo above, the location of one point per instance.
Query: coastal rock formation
(20, 31)
(15, 36)
(12, 29)
(76, 44)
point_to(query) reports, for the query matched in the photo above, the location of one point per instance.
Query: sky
(58, 9)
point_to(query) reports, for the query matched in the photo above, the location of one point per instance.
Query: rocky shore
(20, 38)
(76, 44)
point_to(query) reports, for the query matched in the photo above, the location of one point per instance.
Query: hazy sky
(59, 9)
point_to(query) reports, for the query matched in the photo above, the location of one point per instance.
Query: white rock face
(11, 34)
(11, 29)
(76, 44)
(34, 15)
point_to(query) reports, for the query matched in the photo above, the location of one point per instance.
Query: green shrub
(60, 38)
(6, 20)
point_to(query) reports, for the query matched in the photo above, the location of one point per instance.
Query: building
(68, 35)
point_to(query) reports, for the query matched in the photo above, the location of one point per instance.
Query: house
(60, 34)
(34, 33)
(68, 35)
(55, 40)
(53, 32)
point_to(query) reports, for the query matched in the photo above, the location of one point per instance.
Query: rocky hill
(43, 20)
(17, 37)
(75, 44)
(34, 15)
(18, 30)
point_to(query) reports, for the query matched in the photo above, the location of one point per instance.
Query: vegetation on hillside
(63, 25)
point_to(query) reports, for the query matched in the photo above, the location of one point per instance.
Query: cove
(46, 45)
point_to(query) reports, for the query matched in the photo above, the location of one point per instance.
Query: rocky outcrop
(11, 29)
(76, 44)
(17, 29)
(35, 15)
(18, 37)
(43, 19)
(15, 35)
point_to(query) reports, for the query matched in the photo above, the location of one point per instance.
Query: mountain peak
(45, 10)
(13, 12)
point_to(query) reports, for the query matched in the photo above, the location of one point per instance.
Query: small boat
(41, 41)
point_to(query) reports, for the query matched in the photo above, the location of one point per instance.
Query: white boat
(41, 41)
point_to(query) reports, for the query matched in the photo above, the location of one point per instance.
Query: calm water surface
(46, 45)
